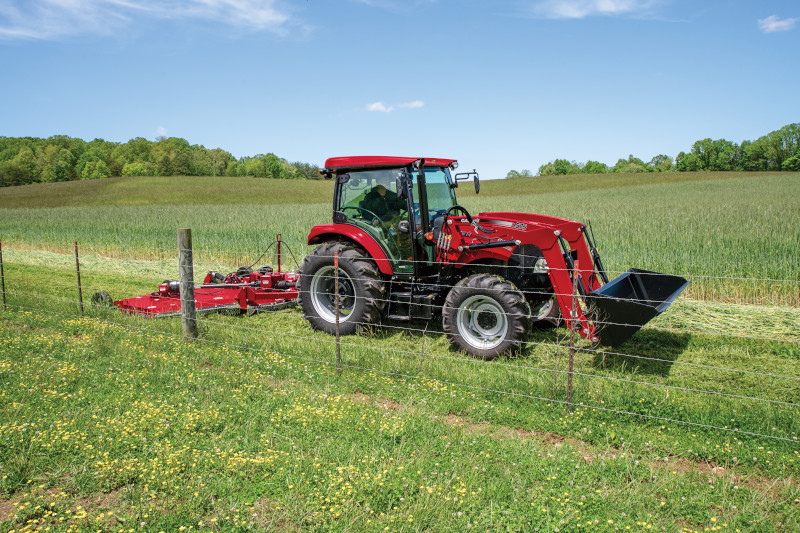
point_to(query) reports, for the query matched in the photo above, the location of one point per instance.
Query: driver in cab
(383, 202)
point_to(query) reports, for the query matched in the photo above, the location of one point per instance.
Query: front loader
(408, 251)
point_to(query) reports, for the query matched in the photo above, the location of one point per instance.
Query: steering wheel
(360, 210)
(467, 215)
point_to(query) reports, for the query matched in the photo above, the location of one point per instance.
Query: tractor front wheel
(361, 290)
(486, 316)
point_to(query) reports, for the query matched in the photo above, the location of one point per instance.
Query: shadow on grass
(648, 352)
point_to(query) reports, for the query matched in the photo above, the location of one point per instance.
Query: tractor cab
(396, 201)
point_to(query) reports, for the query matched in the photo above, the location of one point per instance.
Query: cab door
(379, 215)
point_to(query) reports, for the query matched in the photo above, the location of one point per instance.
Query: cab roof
(382, 161)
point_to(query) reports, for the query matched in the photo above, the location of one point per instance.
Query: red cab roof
(382, 161)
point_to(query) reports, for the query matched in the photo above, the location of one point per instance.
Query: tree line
(26, 160)
(777, 150)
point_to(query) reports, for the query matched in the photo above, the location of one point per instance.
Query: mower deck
(244, 291)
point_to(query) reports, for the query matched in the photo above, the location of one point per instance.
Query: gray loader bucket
(625, 304)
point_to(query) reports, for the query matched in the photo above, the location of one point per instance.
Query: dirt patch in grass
(390, 405)
(768, 487)
(101, 501)
(382, 403)
(267, 519)
(7, 508)
(755, 481)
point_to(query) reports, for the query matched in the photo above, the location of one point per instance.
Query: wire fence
(135, 253)
(624, 383)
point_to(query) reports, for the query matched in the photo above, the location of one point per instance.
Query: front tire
(486, 316)
(361, 290)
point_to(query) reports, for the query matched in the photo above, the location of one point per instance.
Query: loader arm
(568, 256)
(608, 313)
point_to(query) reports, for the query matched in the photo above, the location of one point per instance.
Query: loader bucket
(625, 304)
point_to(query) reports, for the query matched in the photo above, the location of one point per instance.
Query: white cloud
(412, 105)
(379, 106)
(161, 131)
(575, 9)
(383, 108)
(397, 4)
(51, 19)
(773, 23)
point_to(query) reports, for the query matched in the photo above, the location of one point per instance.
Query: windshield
(439, 193)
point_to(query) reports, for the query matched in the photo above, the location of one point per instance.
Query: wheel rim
(481, 322)
(545, 309)
(323, 294)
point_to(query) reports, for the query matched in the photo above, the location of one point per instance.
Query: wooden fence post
(186, 269)
(78, 270)
(2, 276)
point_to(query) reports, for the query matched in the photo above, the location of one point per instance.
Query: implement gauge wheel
(486, 316)
(102, 299)
(546, 313)
(361, 289)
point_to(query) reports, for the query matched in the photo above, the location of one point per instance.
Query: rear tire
(486, 316)
(361, 289)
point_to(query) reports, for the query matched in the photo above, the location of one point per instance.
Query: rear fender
(335, 232)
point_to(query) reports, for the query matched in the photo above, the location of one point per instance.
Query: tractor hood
(521, 220)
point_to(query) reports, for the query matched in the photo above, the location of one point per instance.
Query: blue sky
(498, 85)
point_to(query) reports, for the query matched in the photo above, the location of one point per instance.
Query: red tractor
(408, 251)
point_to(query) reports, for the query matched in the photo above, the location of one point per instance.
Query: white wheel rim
(545, 309)
(322, 292)
(481, 322)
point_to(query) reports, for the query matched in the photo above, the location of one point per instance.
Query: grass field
(113, 423)
(710, 226)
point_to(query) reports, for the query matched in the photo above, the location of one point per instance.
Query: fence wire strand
(403, 355)
(494, 363)
(449, 383)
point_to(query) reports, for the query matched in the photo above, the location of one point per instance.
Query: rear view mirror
(461, 176)
(401, 186)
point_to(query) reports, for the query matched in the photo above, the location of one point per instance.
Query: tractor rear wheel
(361, 290)
(486, 316)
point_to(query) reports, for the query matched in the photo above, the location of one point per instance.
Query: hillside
(689, 425)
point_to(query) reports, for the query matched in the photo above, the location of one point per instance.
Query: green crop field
(113, 423)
